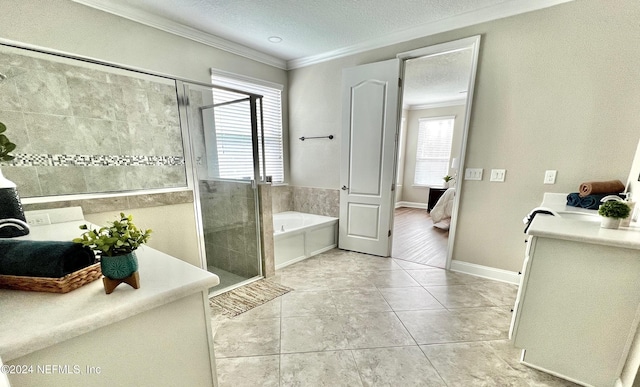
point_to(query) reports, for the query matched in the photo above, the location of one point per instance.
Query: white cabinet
(577, 308)
(158, 335)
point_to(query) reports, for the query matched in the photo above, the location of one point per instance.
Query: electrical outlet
(498, 175)
(473, 174)
(550, 177)
(38, 220)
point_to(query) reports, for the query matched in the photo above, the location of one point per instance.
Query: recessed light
(274, 39)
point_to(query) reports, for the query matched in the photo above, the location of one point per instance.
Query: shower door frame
(255, 105)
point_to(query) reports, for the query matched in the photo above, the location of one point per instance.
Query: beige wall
(402, 153)
(76, 29)
(174, 228)
(556, 89)
(415, 194)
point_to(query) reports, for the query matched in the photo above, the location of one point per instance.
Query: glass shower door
(224, 151)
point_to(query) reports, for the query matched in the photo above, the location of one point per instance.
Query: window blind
(233, 129)
(433, 150)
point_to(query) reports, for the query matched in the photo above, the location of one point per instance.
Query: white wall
(76, 29)
(415, 194)
(556, 89)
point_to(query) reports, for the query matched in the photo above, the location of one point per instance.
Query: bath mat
(247, 297)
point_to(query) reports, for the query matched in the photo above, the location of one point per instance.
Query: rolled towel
(53, 259)
(573, 199)
(591, 202)
(600, 187)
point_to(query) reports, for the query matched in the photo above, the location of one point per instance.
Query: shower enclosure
(224, 136)
(129, 130)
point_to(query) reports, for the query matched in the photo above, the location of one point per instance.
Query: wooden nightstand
(434, 195)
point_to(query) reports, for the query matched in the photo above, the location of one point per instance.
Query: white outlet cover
(550, 176)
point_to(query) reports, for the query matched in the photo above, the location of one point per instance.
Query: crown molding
(486, 14)
(483, 15)
(440, 104)
(184, 31)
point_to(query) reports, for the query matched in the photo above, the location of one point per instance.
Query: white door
(370, 96)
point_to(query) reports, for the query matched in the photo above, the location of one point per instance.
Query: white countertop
(35, 320)
(580, 225)
(584, 231)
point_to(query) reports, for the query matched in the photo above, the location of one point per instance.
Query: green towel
(52, 259)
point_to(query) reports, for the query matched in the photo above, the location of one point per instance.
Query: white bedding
(441, 212)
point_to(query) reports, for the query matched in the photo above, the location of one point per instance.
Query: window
(434, 150)
(234, 141)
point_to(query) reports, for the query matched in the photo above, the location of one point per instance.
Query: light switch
(498, 175)
(473, 174)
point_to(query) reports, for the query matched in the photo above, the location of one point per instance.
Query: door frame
(472, 42)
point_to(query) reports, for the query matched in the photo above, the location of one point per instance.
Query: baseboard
(291, 262)
(322, 250)
(303, 257)
(411, 205)
(556, 374)
(511, 277)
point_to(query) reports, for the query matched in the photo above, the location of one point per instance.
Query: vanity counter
(588, 231)
(128, 335)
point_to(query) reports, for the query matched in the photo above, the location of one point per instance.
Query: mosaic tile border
(57, 160)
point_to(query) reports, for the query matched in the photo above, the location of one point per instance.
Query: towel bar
(330, 137)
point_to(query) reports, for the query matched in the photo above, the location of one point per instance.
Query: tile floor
(359, 320)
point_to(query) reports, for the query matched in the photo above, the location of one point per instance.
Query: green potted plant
(613, 212)
(448, 181)
(6, 146)
(10, 205)
(116, 244)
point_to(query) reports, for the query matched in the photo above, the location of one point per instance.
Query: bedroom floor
(360, 320)
(416, 240)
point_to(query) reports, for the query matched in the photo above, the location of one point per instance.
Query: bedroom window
(434, 150)
(272, 109)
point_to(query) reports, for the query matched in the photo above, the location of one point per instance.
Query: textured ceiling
(437, 79)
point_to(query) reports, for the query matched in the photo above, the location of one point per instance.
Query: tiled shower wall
(229, 223)
(319, 201)
(85, 128)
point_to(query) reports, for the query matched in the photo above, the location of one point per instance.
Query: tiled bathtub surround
(282, 198)
(229, 223)
(319, 201)
(266, 230)
(86, 128)
(118, 203)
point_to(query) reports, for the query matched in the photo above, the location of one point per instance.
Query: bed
(441, 212)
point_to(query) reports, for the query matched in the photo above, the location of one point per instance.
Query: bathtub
(298, 236)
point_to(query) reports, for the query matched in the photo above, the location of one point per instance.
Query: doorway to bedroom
(431, 146)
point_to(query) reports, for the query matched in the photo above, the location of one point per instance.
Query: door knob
(344, 188)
